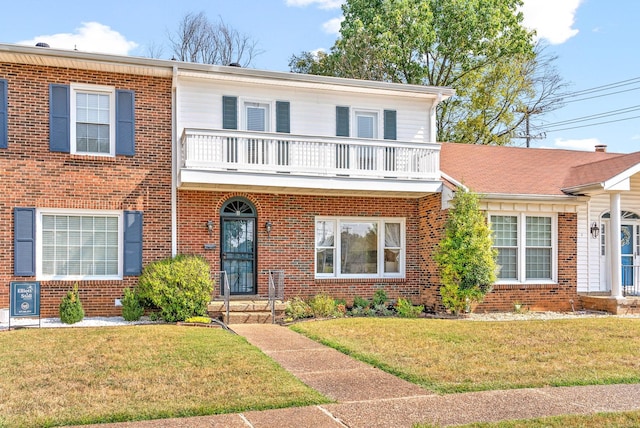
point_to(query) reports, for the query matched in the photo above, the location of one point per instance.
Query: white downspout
(174, 163)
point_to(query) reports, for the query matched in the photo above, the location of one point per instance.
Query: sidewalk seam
(329, 414)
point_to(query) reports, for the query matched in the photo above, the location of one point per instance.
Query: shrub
(379, 297)
(132, 309)
(297, 309)
(71, 310)
(179, 287)
(322, 305)
(360, 303)
(465, 256)
(405, 309)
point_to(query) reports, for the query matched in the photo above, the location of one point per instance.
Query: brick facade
(291, 245)
(36, 177)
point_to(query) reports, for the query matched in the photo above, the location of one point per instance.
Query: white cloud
(552, 19)
(333, 26)
(587, 144)
(322, 4)
(90, 37)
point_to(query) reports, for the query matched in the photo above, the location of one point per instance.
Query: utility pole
(527, 135)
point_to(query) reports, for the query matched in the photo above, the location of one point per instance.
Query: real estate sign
(25, 299)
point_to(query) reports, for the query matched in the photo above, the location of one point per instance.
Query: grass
(611, 420)
(51, 377)
(449, 356)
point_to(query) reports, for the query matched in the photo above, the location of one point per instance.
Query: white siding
(312, 110)
(592, 275)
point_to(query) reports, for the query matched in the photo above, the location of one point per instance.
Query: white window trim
(377, 126)
(522, 248)
(336, 274)
(269, 120)
(71, 212)
(97, 89)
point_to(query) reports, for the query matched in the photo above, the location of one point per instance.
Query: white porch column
(616, 258)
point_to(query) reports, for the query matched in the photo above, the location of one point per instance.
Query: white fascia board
(569, 199)
(201, 178)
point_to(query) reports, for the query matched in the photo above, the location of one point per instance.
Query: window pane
(93, 119)
(507, 263)
(324, 260)
(325, 231)
(366, 126)
(538, 231)
(505, 230)
(359, 248)
(256, 119)
(391, 261)
(77, 245)
(538, 263)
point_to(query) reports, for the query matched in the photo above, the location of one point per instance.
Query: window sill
(93, 158)
(360, 279)
(529, 284)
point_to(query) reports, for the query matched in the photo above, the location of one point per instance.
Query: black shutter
(229, 112)
(4, 107)
(283, 117)
(342, 121)
(390, 125)
(59, 118)
(125, 123)
(24, 241)
(132, 242)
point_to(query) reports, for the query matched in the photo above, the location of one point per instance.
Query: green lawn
(52, 377)
(449, 356)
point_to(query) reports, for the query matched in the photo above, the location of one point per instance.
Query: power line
(593, 116)
(594, 124)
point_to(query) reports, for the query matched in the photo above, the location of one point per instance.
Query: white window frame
(380, 221)
(70, 212)
(521, 268)
(95, 89)
(269, 108)
(375, 114)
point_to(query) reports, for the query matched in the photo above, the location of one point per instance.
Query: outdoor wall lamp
(268, 226)
(595, 230)
(210, 227)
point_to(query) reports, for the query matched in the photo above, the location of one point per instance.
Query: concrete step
(245, 306)
(249, 318)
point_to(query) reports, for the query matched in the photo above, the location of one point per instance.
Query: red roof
(528, 171)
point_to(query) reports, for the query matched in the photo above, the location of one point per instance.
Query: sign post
(24, 300)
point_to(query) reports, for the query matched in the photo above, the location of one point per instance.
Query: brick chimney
(602, 148)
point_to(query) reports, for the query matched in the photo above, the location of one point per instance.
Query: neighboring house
(85, 158)
(113, 162)
(553, 213)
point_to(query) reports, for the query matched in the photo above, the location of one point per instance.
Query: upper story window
(526, 247)
(93, 120)
(257, 116)
(366, 124)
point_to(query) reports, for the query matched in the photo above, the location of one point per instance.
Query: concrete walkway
(368, 397)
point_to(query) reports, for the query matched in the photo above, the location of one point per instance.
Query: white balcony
(224, 159)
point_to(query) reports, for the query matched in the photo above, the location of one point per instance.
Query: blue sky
(596, 42)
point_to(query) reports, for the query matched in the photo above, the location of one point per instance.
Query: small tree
(466, 258)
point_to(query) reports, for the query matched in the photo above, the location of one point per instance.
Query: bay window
(359, 247)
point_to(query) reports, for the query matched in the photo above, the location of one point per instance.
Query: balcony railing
(257, 152)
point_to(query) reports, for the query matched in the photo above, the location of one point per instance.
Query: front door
(238, 254)
(626, 251)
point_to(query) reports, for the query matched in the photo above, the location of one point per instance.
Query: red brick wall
(544, 297)
(35, 177)
(291, 244)
(535, 297)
